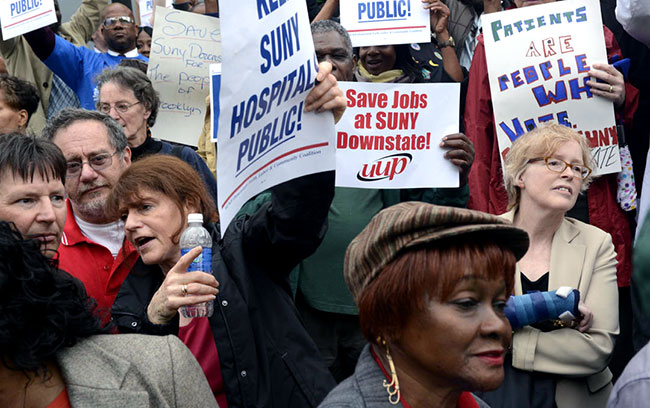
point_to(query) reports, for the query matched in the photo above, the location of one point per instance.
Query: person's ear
(127, 155)
(191, 206)
(23, 118)
(520, 180)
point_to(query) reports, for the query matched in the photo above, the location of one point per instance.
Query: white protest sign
(18, 17)
(215, 87)
(265, 137)
(182, 48)
(146, 8)
(390, 134)
(538, 61)
(383, 22)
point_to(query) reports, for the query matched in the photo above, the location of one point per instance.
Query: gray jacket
(133, 371)
(364, 388)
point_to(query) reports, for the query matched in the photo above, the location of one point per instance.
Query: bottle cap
(195, 218)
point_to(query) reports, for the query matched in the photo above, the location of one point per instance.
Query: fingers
(587, 318)
(612, 86)
(171, 296)
(200, 278)
(427, 4)
(460, 153)
(326, 95)
(181, 288)
(324, 69)
(328, 92)
(185, 261)
(325, 83)
(585, 323)
(461, 148)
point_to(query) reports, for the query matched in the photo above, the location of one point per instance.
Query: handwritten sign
(538, 62)
(390, 134)
(18, 17)
(265, 136)
(382, 22)
(182, 48)
(146, 8)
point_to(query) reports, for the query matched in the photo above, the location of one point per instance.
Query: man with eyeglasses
(93, 246)
(77, 65)
(22, 62)
(32, 196)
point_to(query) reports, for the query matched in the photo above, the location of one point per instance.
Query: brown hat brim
(504, 235)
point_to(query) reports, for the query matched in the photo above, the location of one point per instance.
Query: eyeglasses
(121, 107)
(124, 20)
(97, 162)
(559, 165)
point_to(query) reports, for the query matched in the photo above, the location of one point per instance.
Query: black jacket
(267, 358)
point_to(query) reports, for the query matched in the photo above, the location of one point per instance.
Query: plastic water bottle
(195, 235)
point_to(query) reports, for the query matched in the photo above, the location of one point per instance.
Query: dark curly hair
(19, 94)
(42, 309)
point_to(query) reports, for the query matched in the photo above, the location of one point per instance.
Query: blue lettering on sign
(283, 41)
(270, 136)
(266, 7)
(24, 6)
(258, 105)
(383, 10)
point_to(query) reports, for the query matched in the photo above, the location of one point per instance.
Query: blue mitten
(536, 307)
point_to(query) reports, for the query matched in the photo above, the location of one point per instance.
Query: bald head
(116, 9)
(118, 28)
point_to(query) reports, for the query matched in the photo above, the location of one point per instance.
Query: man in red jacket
(93, 248)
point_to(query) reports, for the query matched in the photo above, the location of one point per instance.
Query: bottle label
(202, 263)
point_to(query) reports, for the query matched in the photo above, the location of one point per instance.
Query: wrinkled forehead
(82, 139)
(328, 40)
(116, 10)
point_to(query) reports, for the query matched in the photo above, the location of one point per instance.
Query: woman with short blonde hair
(545, 171)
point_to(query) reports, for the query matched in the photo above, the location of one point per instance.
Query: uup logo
(386, 167)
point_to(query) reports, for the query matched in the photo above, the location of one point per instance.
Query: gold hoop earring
(394, 393)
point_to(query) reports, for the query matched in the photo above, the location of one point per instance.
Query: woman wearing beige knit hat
(431, 284)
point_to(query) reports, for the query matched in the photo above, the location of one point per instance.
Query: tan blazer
(134, 371)
(583, 257)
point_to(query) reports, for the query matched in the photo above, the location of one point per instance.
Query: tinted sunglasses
(124, 20)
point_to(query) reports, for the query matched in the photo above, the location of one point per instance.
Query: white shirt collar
(131, 54)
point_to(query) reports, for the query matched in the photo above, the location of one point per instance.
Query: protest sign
(215, 86)
(390, 134)
(146, 7)
(182, 48)
(265, 137)
(18, 17)
(538, 62)
(383, 22)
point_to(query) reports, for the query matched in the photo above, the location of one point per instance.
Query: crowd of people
(323, 296)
